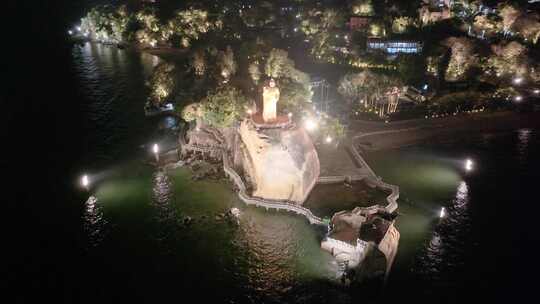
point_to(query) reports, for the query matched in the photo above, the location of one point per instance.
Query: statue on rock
(270, 99)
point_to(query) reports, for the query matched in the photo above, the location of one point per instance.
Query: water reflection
(162, 191)
(94, 222)
(163, 200)
(524, 136)
(461, 195)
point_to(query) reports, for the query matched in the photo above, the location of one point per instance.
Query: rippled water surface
(156, 234)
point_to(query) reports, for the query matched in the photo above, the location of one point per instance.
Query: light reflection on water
(524, 136)
(94, 222)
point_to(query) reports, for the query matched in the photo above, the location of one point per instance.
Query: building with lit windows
(394, 46)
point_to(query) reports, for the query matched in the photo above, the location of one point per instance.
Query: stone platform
(281, 122)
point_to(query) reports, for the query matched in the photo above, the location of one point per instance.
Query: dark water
(133, 243)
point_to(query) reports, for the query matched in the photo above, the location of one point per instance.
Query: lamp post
(469, 165)
(155, 149)
(85, 182)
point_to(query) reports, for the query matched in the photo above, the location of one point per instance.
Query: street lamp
(85, 182)
(469, 164)
(310, 124)
(155, 149)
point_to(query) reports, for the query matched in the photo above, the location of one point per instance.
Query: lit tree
(162, 83)
(528, 27)
(189, 25)
(150, 28)
(317, 26)
(226, 63)
(275, 64)
(462, 57)
(509, 14)
(254, 72)
(363, 8)
(508, 58)
(350, 87)
(223, 107)
(198, 63)
(401, 24)
(372, 89)
(294, 84)
(377, 29)
(488, 23)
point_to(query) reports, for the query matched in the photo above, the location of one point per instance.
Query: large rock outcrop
(281, 164)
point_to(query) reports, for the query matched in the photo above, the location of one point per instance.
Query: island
(284, 97)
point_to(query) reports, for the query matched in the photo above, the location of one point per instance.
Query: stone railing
(242, 189)
(266, 203)
(342, 245)
(374, 179)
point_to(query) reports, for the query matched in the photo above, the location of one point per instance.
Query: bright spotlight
(310, 125)
(328, 139)
(469, 165)
(155, 148)
(536, 91)
(249, 112)
(70, 32)
(84, 181)
(518, 98)
(442, 213)
(78, 28)
(518, 80)
(290, 115)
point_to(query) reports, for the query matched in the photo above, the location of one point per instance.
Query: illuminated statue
(270, 99)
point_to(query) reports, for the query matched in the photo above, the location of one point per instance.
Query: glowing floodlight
(78, 28)
(155, 149)
(84, 181)
(518, 80)
(310, 124)
(536, 91)
(442, 213)
(249, 112)
(70, 32)
(290, 115)
(518, 98)
(328, 139)
(469, 165)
